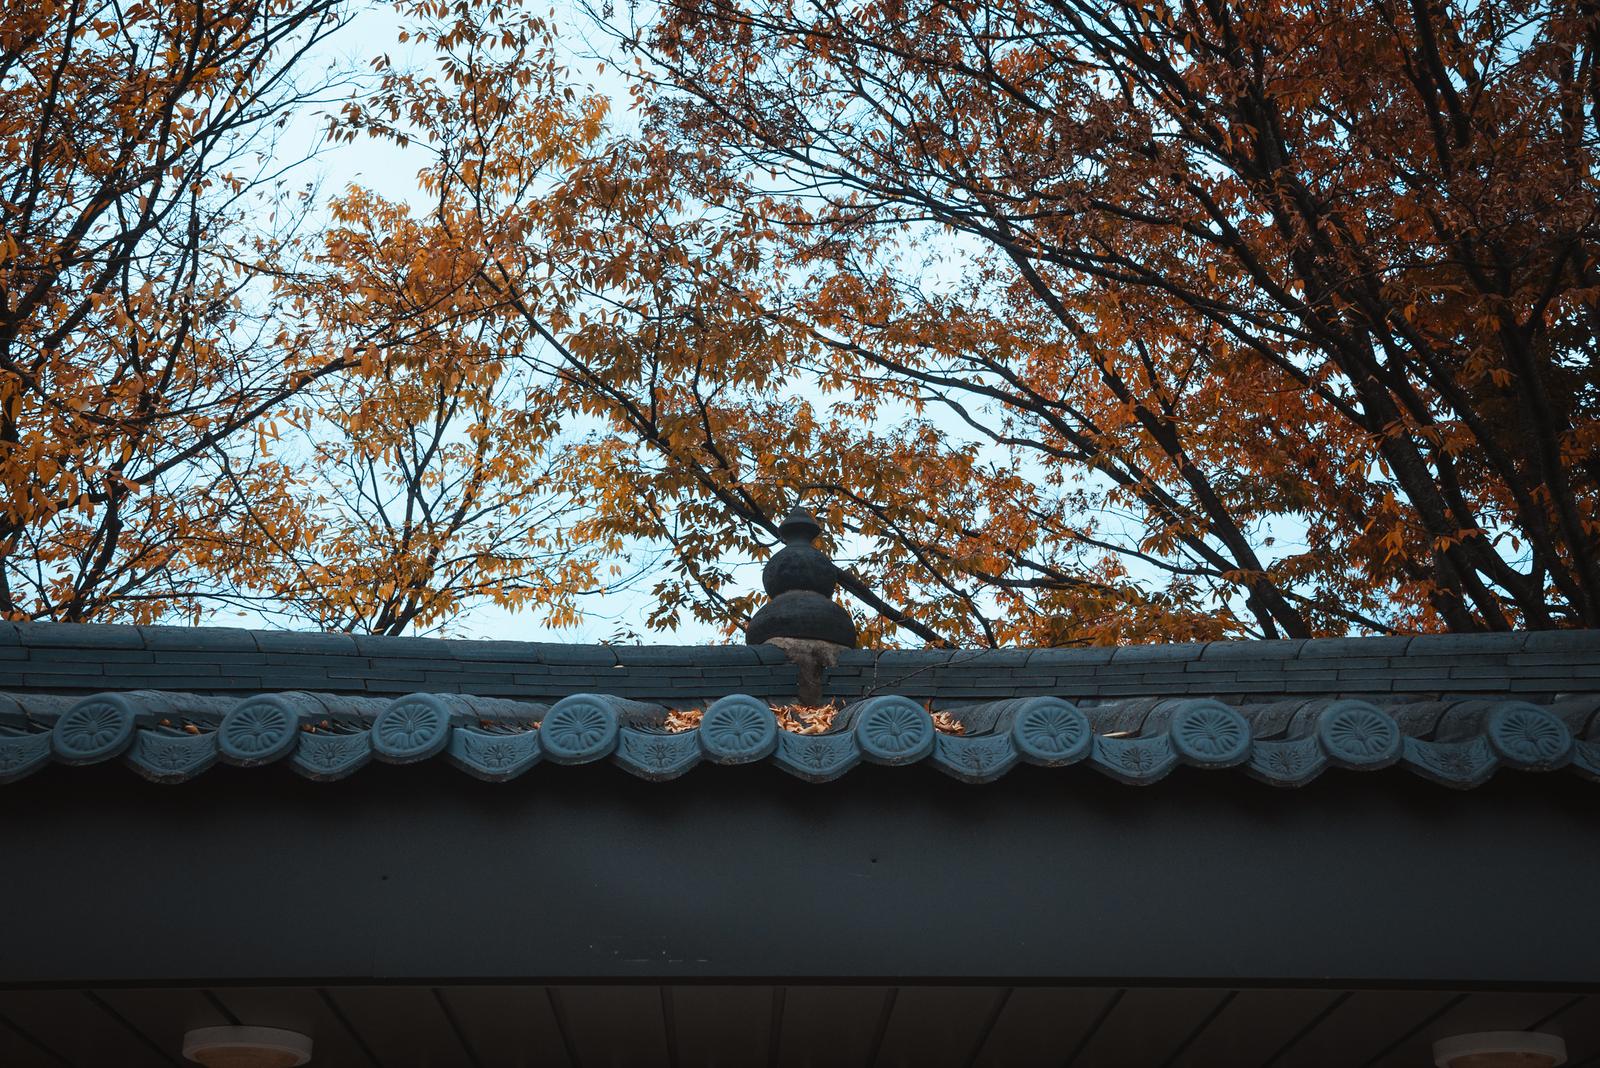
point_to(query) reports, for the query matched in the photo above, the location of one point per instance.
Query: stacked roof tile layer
(89, 658)
(173, 737)
(173, 702)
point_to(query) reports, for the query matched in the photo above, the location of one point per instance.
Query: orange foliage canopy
(1175, 319)
(132, 348)
(1089, 321)
(214, 392)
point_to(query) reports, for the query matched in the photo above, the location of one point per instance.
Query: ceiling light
(246, 1047)
(1500, 1049)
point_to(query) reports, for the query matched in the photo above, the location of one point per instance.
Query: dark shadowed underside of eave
(803, 1026)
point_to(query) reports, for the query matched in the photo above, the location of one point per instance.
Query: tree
(1249, 317)
(1079, 321)
(429, 477)
(136, 343)
(215, 393)
(438, 470)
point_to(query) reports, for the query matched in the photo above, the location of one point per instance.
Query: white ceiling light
(1500, 1049)
(246, 1047)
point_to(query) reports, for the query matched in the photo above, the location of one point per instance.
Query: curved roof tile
(173, 737)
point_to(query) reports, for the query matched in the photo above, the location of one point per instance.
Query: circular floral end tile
(257, 731)
(1527, 736)
(412, 728)
(738, 729)
(894, 730)
(1210, 734)
(1052, 732)
(96, 728)
(1354, 734)
(578, 729)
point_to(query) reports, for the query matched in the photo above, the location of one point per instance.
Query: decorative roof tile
(172, 702)
(174, 737)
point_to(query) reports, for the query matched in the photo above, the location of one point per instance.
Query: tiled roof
(173, 737)
(172, 702)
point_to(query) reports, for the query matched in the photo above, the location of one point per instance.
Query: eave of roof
(172, 702)
(173, 737)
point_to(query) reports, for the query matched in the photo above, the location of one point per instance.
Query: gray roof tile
(1144, 654)
(194, 639)
(1135, 740)
(1562, 641)
(72, 658)
(388, 646)
(302, 643)
(81, 635)
(1056, 659)
(1279, 649)
(1325, 647)
(1467, 644)
(577, 655)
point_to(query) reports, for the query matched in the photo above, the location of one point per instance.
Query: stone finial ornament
(801, 580)
(802, 618)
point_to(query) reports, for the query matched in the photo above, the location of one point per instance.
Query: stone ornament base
(812, 658)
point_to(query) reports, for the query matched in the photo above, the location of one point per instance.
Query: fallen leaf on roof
(805, 719)
(945, 723)
(683, 719)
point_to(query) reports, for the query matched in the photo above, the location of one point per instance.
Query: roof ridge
(207, 638)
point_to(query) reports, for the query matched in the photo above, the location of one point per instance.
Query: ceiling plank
(403, 1025)
(510, 1026)
(164, 1014)
(1042, 1025)
(722, 1025)
(73, 1024)
(22, 1048)
(614, 1024)
(937, 1025)
(1254, 1026)
(1476, 1012)
(1149, 1025)
(1579, 1024)
(1363, 1026)
(830, 1025)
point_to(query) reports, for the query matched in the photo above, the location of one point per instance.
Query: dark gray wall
(419, 873)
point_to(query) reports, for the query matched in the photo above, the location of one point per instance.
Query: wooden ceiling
(683, 1025)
